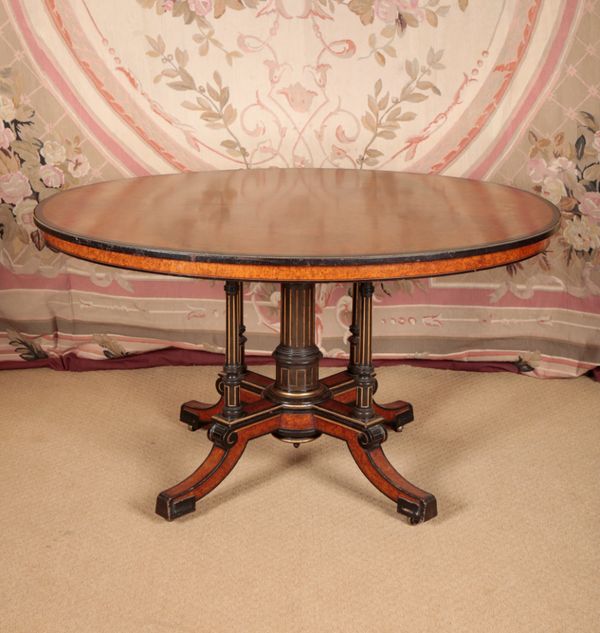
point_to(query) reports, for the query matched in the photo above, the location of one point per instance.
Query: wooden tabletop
(298, 224)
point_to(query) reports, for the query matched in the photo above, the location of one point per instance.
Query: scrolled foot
(396, 414)
(365, 447)
(416, 504)
(172, 508)
(181, 499)
(197, 414)
(418, 511)
(228, 446)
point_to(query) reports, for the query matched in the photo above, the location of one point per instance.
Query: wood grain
(297, 224)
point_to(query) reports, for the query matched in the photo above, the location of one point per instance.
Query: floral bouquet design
(568, 174)
(30, 169)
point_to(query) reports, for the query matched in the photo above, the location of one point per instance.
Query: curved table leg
(181, 498)
(365, 448)
(416, 504)
(229, 444)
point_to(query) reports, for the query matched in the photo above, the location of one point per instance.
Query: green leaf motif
(27, 350)
(189, 105)
(415, 97)
(368, 120)
(580, 146)
(178, 85)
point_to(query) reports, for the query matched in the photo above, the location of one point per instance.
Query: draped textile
(502, 90)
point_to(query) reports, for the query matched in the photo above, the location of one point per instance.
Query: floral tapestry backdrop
(503, 90)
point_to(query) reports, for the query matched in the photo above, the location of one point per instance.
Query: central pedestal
(297, 406)
(297, 357)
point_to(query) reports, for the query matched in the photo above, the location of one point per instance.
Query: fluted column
(353, 340)
(231, 378)
(297, 356)
(363, 371)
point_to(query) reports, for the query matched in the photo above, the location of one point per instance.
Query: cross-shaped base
(297, 406)
(332, 416)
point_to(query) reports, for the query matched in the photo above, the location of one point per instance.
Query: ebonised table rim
(290, 267)
(297, 260)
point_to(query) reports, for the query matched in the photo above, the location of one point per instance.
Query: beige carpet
(296, 540)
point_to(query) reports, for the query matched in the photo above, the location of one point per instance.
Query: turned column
(297, 356)
(233, 370)
(353, 340)
(361, 366)
(241, 327)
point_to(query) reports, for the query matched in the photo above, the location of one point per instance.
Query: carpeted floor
(297, 540)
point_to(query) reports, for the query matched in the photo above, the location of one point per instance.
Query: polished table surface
(298, 226)
(310, 224)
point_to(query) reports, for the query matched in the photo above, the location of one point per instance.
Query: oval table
(298, 227)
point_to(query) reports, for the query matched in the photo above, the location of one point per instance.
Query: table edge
(303, 272)
(222, 259)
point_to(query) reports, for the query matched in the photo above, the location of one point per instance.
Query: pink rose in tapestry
(14, 187)
(53, 153)
(390, 10)
(79, 166)
(6, 137)
(52, 176)
(564, 169)
(590, 205)
(537, 169)
(200, 7)
(582, 235)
